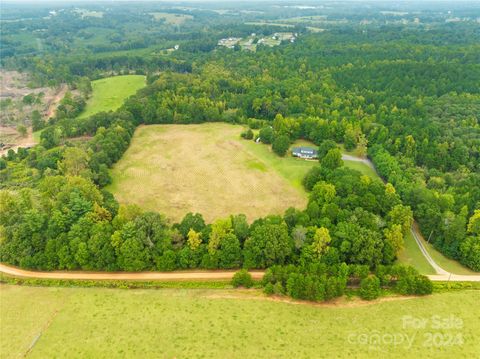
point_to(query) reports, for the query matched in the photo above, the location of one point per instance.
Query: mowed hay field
(207, 168)
(108, 94)
(222, 323)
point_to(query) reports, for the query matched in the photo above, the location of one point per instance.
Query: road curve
(173, 276)
(416, 235)
(414, 229)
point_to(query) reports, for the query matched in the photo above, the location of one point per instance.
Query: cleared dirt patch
(176, 169)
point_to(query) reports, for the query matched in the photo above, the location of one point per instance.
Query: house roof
(304, 151)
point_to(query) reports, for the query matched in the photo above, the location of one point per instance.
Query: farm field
(161, 172)
(206, 168)
(110, 93)
(186, 323)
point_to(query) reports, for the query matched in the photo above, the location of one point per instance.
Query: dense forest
(406, 97)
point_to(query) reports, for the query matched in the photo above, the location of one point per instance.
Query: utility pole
(428, 241)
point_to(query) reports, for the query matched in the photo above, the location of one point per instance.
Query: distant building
(305, 152)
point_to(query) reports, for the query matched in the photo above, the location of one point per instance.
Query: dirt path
(52, 106)
(167, 276)
(171, 276)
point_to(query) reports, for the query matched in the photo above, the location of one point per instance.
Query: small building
(305, 152)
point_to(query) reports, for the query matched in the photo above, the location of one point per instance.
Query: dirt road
(52, 106)
(172, 276)
(84, 275)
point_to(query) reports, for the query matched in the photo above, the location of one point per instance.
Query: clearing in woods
(110, 93)
(171, 19)
(207, 168)
(51, 322)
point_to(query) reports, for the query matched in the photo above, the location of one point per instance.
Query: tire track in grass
(44, 328)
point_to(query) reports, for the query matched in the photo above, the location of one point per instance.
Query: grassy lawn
(110, 93)
(208, 169)
(359, 166)
(411, 255)
(449, 265)
(188, 323)
(291, 168)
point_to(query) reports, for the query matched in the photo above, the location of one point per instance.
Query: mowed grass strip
(207, 168)
(109, 93)
(411, 255)
(186, 323)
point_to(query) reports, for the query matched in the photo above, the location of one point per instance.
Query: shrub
(370, 288)
(242, 279)
(268, 290)
(248, 134)
(424, 285)
(278, 289)
(414, 284)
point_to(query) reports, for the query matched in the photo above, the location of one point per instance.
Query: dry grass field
(207, 168)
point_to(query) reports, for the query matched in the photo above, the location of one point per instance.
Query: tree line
(423, 137)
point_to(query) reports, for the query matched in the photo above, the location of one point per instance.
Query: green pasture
(40, 322)
(110, 93)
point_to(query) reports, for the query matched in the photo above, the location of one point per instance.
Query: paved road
(416, 234)
(442, 274)
(359, 159)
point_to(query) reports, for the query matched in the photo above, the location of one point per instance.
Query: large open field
(110, 93)
(191, 323)
(206, 168)
(170, 18)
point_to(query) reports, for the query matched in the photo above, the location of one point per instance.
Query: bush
(370, 288)
(414, 285)
(248, 134)
(278, 289)
(268, 290)
(424, 285)
(242, 279)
